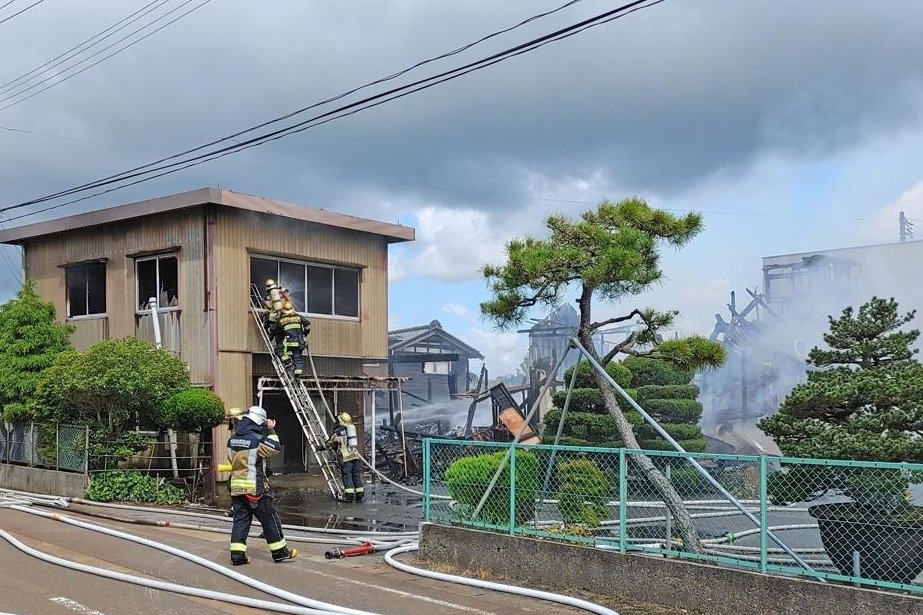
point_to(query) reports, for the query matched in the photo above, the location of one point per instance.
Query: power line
(343, 111)
(79, 48)
(20, 12)
(116, 52)
(3, 6)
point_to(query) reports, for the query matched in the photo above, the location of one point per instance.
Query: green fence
(848, 521)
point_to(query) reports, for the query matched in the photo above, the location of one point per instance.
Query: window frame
(67, 297)
(156, 257)
(305, 264)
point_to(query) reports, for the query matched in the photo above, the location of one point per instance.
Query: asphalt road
(29, 586)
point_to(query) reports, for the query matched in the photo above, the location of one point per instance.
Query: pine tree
(610, 253)
(30, 341)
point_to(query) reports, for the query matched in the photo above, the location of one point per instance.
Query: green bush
(584, 491)
(190, 410)
(468, 477)
(586, 379)
(132, 487)
(645, 371)
(670, 391)
(675, 410)
(581, 400)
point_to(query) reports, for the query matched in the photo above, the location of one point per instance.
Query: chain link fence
(53, 447)
(856, 522)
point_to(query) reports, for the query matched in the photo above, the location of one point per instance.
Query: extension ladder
(310, 419)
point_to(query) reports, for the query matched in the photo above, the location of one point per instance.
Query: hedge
(468, 477)
(645, 371)
(675, 410)
(670, 391)
(586, 379)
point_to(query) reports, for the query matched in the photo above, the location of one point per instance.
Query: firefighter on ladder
(345, 443)
(251, 444)
(276, 296)
(294, 329)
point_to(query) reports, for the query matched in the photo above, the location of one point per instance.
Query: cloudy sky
(791, 125)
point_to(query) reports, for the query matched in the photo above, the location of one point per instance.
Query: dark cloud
(656, 101)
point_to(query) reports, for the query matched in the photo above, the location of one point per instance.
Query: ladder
(310, 419)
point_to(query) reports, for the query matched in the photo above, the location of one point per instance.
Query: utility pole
(906, 227)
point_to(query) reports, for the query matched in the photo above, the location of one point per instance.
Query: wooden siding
(241, 234)
(46, 256)
(88, 331)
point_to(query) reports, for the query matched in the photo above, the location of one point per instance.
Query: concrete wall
(708, 589)
(39, 480)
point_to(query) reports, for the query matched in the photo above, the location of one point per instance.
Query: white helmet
(256, 414)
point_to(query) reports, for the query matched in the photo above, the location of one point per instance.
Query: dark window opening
(86, 290)
(320, 287)
(313, 289)
(158, 278)
(346, 292)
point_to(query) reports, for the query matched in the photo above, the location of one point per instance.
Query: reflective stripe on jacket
(247, 449)
(291, 322)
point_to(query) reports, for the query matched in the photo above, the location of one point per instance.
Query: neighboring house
(199, 252)
(435, 361)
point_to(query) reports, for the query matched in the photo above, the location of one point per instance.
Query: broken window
(158, 277)
(313, 289)
(86, 290)
(436, 367)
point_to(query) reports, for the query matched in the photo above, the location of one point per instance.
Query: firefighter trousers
(243, 512)
(351, 472)
(293, 344)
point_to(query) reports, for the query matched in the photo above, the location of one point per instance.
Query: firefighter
(254, 440)
(344, 441)
(294, 328)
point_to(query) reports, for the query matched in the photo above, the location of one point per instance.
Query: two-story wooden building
(199, 252)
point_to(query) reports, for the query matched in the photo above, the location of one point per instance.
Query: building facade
(198, 253)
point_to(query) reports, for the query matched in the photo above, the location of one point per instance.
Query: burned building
(768, 337)
(435, 361)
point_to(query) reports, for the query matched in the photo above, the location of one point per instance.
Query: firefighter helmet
(270, 283)
(288, 307)
(256, 414)
(345, 419)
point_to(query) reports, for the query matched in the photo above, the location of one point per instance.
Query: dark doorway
(292, 459)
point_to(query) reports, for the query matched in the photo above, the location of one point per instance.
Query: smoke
(767, 349)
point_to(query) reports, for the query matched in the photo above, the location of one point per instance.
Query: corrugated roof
(204, 196)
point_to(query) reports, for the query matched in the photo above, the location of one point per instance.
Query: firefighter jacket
(248, 449)
(293, 321)
(344, 440)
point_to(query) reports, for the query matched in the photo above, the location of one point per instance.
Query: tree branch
(597, 325)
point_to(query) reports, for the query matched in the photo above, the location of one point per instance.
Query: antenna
(906, 227)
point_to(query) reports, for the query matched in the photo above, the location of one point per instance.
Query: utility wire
(338, 113)
(347, 93)
(20, 12)
(79, 48)
(116, 52)
(3, 6)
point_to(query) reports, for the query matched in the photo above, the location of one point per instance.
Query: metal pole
(427, 478)
(374, 427)
(512, 487)
(57, 446)
(764, 522)
(695, 464)
(171, 435)
(86, 449)
(669, 517)
(623, 501)
(522, 430)
(400, 410)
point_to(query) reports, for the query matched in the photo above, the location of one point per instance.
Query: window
(86, 290)
(322, 290)
(436, 367)
(158, 277)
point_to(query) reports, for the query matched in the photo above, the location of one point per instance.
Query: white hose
(500, 587)
(232, 574)
(163, 585)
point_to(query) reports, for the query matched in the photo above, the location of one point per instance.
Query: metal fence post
(513, 487)
(31, 448)
(669, 517)
(86, 449)
(623, 501)
(57, 446)
(764, 535)
(427, 478)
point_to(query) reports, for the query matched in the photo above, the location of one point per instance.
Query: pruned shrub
(190, 410)
(583, 492)
(468, 478)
